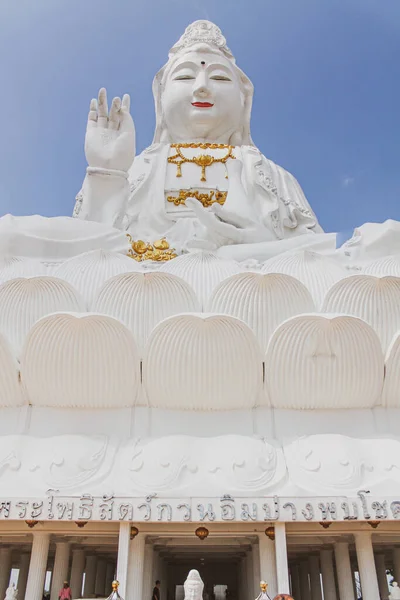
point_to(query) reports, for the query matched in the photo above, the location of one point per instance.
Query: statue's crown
(202, 32)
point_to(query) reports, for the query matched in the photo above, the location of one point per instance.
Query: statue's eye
(220, 78)
(184, 77)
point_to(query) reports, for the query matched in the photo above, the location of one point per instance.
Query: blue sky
(326, 107)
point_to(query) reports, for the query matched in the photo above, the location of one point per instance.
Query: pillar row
(366, 565)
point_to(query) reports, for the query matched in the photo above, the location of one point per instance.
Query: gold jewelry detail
(159, 251)
(206, 199)
(203, 160)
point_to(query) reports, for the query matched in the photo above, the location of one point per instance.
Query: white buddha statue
(395, 591)
(202, 183)
(193, 586)
(11, 592)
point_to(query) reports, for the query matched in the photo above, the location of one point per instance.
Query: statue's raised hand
(110, 135)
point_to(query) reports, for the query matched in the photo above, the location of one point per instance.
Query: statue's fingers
(231, 217)
(114, 116)
(102, 108)
(126, 102)
(92, 116)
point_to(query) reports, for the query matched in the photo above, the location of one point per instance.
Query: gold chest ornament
(202, 160)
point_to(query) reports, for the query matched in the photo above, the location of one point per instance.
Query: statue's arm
(110, 151)
(283, 202)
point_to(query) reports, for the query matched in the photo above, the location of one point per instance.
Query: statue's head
(200, 92)
(193, 586)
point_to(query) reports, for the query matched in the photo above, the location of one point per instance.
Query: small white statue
(395, 593)
(193, 586)
(11, 592)
(114, 594)
(263, 595)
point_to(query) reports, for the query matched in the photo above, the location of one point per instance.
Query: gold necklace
(203, 160)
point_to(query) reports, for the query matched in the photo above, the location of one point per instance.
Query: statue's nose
(201, 88)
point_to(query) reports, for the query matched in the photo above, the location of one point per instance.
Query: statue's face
(202, 98)
(193, 590)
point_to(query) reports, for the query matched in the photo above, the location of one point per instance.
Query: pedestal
(60, 569)
(134, 589)
(23, 575)
(37, 566)
(366, 565)
(315, 578)
(268, 563)
(77, 570)
(90, 576)
(344, 571)
(123, 556)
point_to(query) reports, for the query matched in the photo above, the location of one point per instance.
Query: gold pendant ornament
(159, 250)
(203, 160)
(214, 196)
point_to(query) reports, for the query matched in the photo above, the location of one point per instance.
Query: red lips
(202, 104)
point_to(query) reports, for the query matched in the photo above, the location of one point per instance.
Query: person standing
(156, 591)
(65, 592)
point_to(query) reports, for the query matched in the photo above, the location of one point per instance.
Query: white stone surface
(142, 300)
(80, 360)
(25, 301)
(87, 272)
(261, 301)
(11, 393)
(324, 361)
(316, 271)
(215, 364)
(202, 270)
(376, 300)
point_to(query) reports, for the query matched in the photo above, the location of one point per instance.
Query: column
(148, 582)
(37, 566)
(123, 555)
(381, 574)
(295, 579)
(77, 570)
(60, 569)
(90, 576)
(110, 574)
(134, 589)
(344, 571)
(243, 578)
(366, 565)
(328, 575)
(268, 564)
(23, 575)
(5, 569)
(305, 590)
(315, 578)
(100, 581)
(282, 569)
(396, 564)
(256, 569)
(250, 578)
